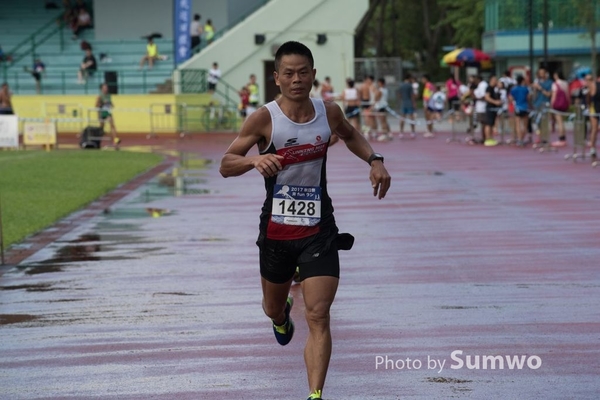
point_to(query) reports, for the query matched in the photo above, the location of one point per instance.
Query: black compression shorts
(316, 255)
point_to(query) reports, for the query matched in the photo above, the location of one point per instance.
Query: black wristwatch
(375, 156)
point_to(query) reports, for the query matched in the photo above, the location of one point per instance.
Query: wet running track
(477, 277)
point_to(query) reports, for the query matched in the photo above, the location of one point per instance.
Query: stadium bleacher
(20, 19)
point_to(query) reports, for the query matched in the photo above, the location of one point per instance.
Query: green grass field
(38, 188)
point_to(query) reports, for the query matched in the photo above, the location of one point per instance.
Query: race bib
(296, 205)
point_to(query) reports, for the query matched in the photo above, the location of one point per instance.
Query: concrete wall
(282, 20)
(131, 19)
(133, 113)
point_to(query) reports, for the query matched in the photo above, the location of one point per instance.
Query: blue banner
(181, 27)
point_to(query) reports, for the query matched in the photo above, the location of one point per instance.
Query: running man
(300, 231)
(104, 105)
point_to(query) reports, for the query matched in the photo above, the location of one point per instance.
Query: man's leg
(274, 299)
(404, 115)
(318, 292)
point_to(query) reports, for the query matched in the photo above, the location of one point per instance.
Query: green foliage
(38, 188)
(466, 17)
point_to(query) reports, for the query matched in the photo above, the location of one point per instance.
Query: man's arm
(236, 163)
(357, 144)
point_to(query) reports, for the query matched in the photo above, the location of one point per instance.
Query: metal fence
(513, 15)
(120, 81)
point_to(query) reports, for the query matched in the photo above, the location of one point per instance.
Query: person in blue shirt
(542, 90)
(520, 96)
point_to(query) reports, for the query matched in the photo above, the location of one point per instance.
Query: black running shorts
(316, 255)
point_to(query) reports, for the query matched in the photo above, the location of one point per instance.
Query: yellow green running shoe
(285, 332)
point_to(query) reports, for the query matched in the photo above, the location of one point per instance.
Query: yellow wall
(132, 113)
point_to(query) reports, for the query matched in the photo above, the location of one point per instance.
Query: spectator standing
(38, 69)
(352, 104)
(452, 87)
(408, 100)
(327, 89)
(560, 102)
(244, 101)
(196, 33)
(254, 97)
(209, 31)
(87, 67)
(507, 80)
(493, 106)
(6, 107)
(594, 109)
(214, 74)
(366, 103)
(316, 89)
(381, 106)
(437, 102)
(542, 91)
(428, 90)
(480, 106)
(519, 94)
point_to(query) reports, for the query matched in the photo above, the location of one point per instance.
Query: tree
(586, 16)
(466, 17)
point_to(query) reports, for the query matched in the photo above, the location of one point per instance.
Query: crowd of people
(517, 105)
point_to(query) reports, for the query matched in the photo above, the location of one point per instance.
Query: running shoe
(490, 142)
(559, 143)
(428, 135)
(316, 395)
(285, 332)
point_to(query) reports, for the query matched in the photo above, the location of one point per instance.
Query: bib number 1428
(296, 205)
(297, 208)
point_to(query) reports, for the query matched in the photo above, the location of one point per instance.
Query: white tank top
(350, 94)
(383, 101)
(297, 201)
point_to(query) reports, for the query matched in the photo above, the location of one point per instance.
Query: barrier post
(544, 144)
(578, 136)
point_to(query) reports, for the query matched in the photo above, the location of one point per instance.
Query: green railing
(194, 81)
(222, 32)
(29, 45)
(65, 82)
(513, 15)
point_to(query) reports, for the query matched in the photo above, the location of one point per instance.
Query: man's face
(541, 73)
(295, 76)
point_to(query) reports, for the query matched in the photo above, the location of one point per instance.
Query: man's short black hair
(291, 47)
(197, 17)
(520, 79)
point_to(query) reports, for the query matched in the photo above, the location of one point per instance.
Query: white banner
(9, 131)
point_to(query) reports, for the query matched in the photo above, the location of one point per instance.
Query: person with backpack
(560, 102)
